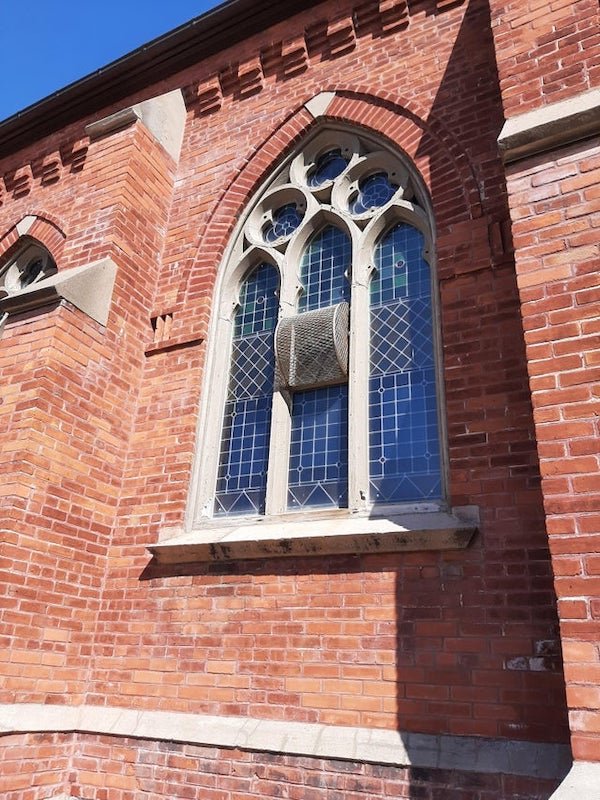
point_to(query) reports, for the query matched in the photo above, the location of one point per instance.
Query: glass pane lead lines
(325, 264)
(404, 453)
(243, 462)
(258, 302)
(318, 474)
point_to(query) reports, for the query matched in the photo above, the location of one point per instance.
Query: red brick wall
(107, 768)
(545, 51)
(68, 391)
(556, 208)
(549, 52)
(320, 641)
(35, 766)
(464, 642)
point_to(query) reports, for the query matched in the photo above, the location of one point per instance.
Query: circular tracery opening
(373, 192)
(329, 165)
(283, 223)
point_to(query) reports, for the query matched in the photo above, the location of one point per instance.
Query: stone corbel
(164, 116)
(89, 288)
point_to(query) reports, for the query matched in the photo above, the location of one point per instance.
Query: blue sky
(47, 44)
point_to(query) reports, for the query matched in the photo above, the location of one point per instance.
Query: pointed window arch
(329, 396)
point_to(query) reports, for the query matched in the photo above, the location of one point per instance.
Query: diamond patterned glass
(259, 302)
(404, 450)
(285, 221)
(319, 449)
(329, 166)
(373, 192)
(323, 272)
(242, 476)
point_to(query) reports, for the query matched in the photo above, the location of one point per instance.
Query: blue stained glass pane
(259, 302)
(404, 451)
(285, 221)
(373, 192)
(329, 166)
(319, 449)
(401, 272)
(242, 477)
(323, 271)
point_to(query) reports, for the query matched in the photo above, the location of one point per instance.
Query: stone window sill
(340, 533)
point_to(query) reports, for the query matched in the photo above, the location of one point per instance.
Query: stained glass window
(319, 450)
(404, 452)
(373, 192)
(324, 270)
(242, 477)
(329, 165)
(349, 391)
(284, 222)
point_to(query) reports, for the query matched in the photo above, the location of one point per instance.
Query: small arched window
(31, 263)
(323, 387)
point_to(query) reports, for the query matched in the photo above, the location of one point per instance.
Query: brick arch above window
(41, 227)
(32, 276)
(405, 125)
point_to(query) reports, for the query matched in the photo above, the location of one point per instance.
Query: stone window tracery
(332, 260)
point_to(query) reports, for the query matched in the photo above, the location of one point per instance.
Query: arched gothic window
(322, 388)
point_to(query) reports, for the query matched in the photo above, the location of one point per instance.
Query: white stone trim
(553, 125)
(582, 782)
(25, 224)
(112, 123)
(318, 105)
(89, 288)
(319, 532)
(164, 116)
(372, 745)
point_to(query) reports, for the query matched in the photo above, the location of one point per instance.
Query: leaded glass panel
(324, 270)
(373, 192)
(318, 474)
(404, 451)
(319, 448)
(243, 461)
(352, 179)
(284, 222)
(329, 166)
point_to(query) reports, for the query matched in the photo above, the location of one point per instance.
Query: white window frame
(246, 249)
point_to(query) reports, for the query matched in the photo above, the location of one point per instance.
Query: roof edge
(192, 42)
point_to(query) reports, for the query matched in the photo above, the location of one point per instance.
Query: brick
(100, 424)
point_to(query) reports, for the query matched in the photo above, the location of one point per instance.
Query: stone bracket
(554, 125)
(89, 288)
(164, 116)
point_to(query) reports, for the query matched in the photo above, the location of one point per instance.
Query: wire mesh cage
(311, 348)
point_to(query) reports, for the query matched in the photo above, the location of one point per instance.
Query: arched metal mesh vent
(311, 349)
